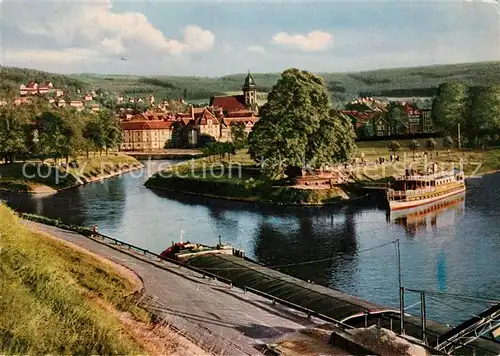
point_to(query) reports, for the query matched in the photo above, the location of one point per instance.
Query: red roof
(150, 115)
(248, 120)
(410, 110)
(229, 103)
(147, 125)
(238, 114)
(202, 117)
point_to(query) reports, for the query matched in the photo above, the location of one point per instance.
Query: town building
(374, 122)
(246, 102)
(146, 132)
(77, 104)
(33, 88)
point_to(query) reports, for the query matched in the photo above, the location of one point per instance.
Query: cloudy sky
(222, 37)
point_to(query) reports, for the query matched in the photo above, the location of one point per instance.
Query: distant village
(161, 125)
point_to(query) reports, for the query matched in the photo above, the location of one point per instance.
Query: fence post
(402, 310)
(423, 317)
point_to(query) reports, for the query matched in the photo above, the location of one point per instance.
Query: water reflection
(431, 216)
(280, 243)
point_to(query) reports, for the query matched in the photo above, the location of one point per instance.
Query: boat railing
(400, 193)
(429, 176)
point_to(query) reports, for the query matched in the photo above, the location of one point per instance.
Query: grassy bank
(53, 296)
(250, 190)
(48, 177)
(472, 161)
(239, 179)
(244, 182)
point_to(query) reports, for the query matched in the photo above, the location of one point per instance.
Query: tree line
(475, 109)
(41, 130)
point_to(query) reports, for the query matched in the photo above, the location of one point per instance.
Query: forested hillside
(12, 77)
(399, 82)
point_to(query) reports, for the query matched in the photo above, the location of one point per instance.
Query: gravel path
(224, 320)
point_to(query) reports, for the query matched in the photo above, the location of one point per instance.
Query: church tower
(250, 91)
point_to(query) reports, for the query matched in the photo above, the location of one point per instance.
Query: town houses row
(372, 118)
(55, 96)
(155, 130)
(162, 126)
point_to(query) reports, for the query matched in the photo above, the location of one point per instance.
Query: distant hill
(397, 82)
(12, 77)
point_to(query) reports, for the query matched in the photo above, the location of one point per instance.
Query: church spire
(249, 82)
(250, 91)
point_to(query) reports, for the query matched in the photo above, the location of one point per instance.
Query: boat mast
(459, 140)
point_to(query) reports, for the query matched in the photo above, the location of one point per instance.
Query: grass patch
(472, 161)
(30, 176)
(205, 176)
(49, 292)
(27, 176)
(94, 166)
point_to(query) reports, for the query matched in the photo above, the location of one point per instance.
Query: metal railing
(146, 252)
(141, 252)
(310, 313)
(402, 193)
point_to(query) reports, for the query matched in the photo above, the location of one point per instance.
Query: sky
(214, 38)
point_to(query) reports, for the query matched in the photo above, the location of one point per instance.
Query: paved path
(225, 320)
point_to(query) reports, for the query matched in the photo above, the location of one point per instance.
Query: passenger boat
(413, 189)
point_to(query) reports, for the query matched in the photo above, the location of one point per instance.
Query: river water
(454, 250)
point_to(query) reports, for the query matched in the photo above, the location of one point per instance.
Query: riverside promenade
(222, 320)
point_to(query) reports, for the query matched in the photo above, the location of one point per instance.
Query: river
(453, 250)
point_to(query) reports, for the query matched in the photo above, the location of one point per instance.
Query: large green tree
(395, 118)
(299, 127)
(51, 135)
(482, 114)
(14, 132)
(239, 135)
(93, 133)
(448, 106)
(113, 134)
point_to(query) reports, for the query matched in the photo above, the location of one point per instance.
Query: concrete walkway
(223, 320)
